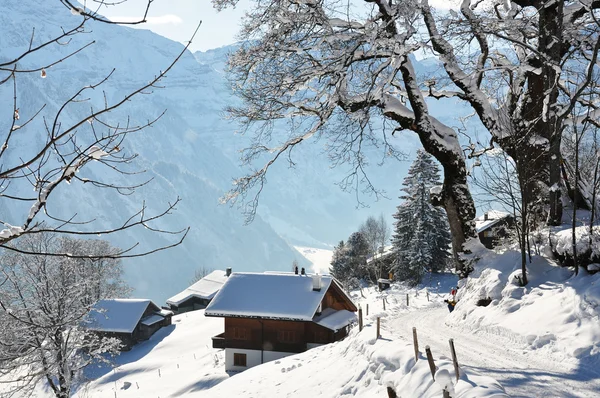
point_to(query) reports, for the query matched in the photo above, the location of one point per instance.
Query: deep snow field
(535, 341)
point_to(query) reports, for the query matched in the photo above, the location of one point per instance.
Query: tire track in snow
(498, 355)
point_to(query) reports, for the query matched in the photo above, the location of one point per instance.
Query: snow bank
(176, 360)
(562, 242)
(359, 366)
(556, 313)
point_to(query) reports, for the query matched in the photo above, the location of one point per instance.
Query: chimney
(316, 280)
(485, 216)
(303, 272)
(296, 270)
(228, 271)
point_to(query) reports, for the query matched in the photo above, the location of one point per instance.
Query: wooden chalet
(493, 226)
(198, 295)
(269, 316)
(129, 320)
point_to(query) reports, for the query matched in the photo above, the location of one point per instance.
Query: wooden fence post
(427, 295)
(378, 327)
(416, 344)
(407, 299)
(391, 392)
(384, 303)
(367, 309)
(454, 360)
(430, 360)
(360, 321)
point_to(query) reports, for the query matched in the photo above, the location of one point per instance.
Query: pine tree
(340, 267)
(421, 237)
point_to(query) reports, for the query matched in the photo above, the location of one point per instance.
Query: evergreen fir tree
(340, 267)
(421, 237)
(358, 251)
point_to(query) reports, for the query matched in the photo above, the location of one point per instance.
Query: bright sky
(177, 19)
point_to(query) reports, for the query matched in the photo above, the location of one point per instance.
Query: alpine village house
(272, 315)
(129, 320)
(199, 294)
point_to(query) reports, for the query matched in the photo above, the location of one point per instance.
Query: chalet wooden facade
(270, 316)
(199, 294)
(129, 320)
(493, 226)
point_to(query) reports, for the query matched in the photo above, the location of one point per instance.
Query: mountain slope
(173, 151)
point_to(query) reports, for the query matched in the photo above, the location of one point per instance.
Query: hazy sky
(177, 19)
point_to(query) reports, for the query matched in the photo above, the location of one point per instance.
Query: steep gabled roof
(283, 296)
(118, 315)
(205, 288)
(493, 218)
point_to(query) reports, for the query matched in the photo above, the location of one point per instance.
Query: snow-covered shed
(130, 320)
(492, 226)
(272, 315)
(199, 294)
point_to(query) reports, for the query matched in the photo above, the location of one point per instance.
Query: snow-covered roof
(205, 288)
(493, 217)
(269, 295)
(152, 319)
(335, 320)
(387, 251)
(117, 315)
(164, 312)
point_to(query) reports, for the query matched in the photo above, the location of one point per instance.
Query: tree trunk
(456, 197)
(460, 210)
(539, 137)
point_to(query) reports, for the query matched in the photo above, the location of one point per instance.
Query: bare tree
(200, 273)
(313, 64)
(580, 168)
(43, 304)
(521, 65)
(500, 184)
(71, 143)
(376, 232)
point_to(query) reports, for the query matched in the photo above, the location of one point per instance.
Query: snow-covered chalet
(129, 320)
(199, 294)
(493, 226)
(272, 315)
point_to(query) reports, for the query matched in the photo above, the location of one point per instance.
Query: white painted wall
(253, 358)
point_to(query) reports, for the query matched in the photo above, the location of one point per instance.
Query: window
(488, 234)
(239, 359)
(286, 336)
(240, 334)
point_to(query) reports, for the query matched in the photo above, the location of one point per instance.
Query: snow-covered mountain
(191, 152)
(174, 151)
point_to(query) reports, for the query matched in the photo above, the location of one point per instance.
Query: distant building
(384, 259)
(272, 315)
(129, 320)
(493, 226)
(198, 295)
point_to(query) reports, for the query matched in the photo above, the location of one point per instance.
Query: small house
(383, 260)
(198, 295)
(268, 316)
(493, 226)
(129, 320)
(383, 284)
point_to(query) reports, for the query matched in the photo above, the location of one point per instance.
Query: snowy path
(498, 354)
